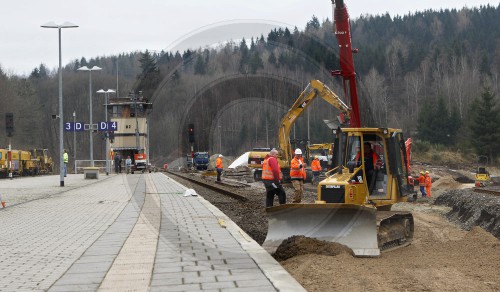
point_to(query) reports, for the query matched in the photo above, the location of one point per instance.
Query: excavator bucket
(351, 225)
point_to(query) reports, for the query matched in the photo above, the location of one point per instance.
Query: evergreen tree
(255, 62)
(272, 58)
(35, 73)
(454, 125)
(313, 23)
(484, 123)
(199, 66)
(436, 125)
(244, 56)
(150, 76)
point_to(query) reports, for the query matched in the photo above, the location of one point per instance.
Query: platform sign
(109, 126)
(74, 127)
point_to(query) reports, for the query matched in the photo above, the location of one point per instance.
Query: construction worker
(298, 175)
(316, 169)
(428, 184)
(372, 162)
(118, 161)
(66, 160)
(218, 166)
(271, 177)
(421, 183)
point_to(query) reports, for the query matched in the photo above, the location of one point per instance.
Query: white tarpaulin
(242, 160)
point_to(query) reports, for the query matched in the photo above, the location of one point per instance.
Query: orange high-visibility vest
(267, 172)
(315, 165)
(428, 181)
(295, 171)
(218, 163)
(421, 180)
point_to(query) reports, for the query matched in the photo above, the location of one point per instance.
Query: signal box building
(131, 136)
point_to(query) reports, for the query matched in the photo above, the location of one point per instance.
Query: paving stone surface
(125, 233)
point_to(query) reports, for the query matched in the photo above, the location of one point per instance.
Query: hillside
(411, 69)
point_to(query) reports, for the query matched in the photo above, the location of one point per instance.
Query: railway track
(215, 186)
(495, 192)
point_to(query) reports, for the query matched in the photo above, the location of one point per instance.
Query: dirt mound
(478, 234)
(446, 182)
(471, 209)
(301, 245)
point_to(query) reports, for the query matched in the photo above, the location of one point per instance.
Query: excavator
(323, 151)
(369, 175)
(314, 89)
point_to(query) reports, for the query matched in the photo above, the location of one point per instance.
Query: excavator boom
(314, 89)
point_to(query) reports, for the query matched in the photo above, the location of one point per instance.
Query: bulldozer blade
(351, 225)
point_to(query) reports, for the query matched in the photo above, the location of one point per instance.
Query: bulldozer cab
(375, 159)
(365, 156)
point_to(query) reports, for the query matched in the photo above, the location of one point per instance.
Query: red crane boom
(343, 34)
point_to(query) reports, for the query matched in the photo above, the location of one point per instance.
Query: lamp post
(106, 96)
(74, 138)
(61, 123)
(95, 68)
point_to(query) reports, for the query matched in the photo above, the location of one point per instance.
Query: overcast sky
(109, 27)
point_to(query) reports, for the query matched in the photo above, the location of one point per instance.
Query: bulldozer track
(486, 191)
(212, 186)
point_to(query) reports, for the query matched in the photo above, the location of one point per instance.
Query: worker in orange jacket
(272, 177)
(298, 175)
(219, 167)
(372, 162)
(428, 184)
(421, 183)
(316, 169)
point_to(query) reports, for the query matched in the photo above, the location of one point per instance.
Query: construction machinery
(369, 175)
(23, 162)
(314, 89)
(323, 151)
(43, 163)
(483, 177)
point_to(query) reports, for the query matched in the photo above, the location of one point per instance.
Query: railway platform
(125, 233)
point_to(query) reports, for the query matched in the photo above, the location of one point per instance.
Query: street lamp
(61, 123)
(74, 139)
(106, 95)
(95, 68)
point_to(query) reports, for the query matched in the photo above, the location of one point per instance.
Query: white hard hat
(298, 151)
(220, 155)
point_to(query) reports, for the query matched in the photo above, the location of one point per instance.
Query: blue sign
(73, 127)
(109, 126)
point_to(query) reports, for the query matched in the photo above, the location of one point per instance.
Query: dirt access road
(442, 257)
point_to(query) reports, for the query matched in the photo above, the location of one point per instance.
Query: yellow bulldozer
(354, 201)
